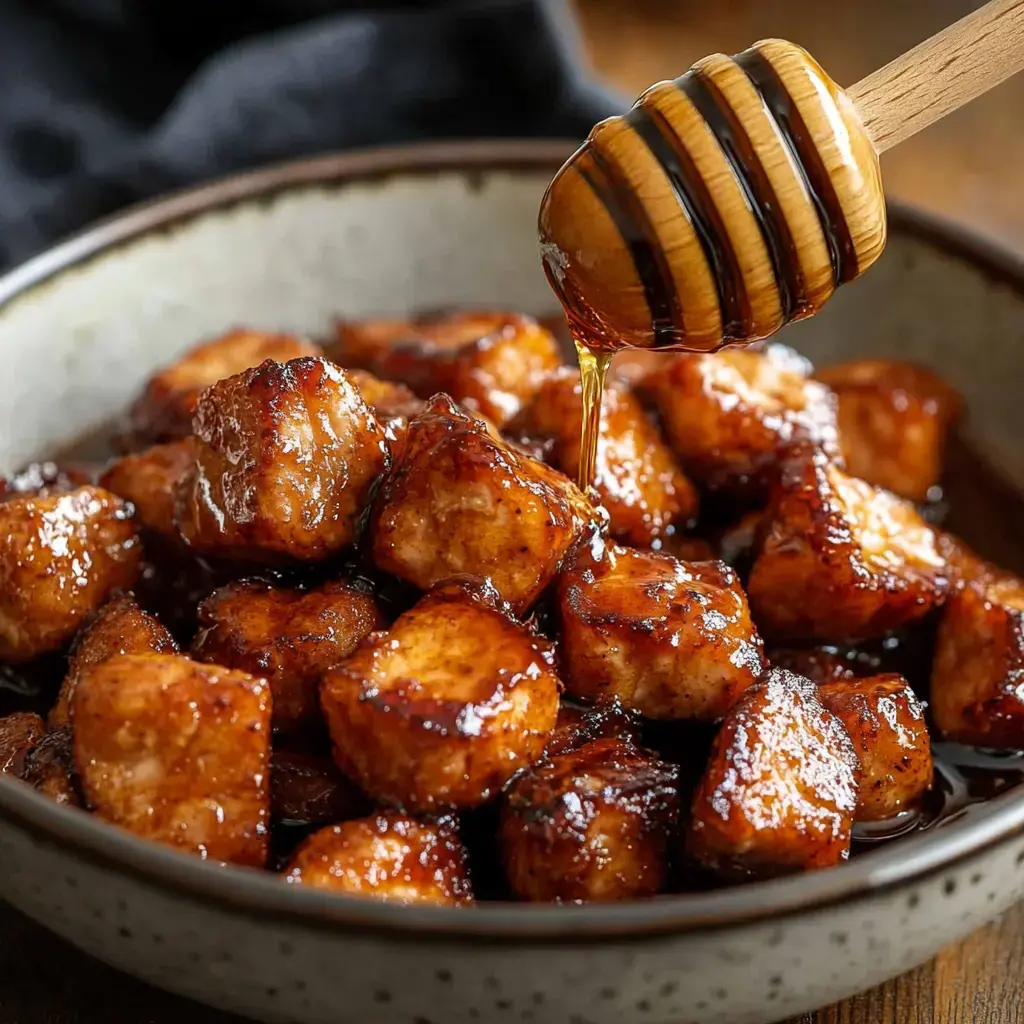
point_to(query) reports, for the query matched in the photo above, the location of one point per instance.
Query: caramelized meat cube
(120, 627)
(819, 664)
(842, 559)
(667, 638)
(60, 558)
(42, 480)
(164, 410)
(177, 752)
(148, 480)
(440, 711)
(388, 857)
(976, 693)
(779, 791)
(490, 361)
(885, 721)
(461, 503)
(636, 476)
(309, 790)
(893, 422)
(19, 733)
(50, 767)
(287, 457)
(730, 415)
(579, 724)
(393, 405)
(288, 637)
(594, 824)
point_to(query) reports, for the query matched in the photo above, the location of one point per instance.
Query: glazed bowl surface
(392, 231)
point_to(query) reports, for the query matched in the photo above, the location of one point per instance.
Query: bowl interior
(83, 326)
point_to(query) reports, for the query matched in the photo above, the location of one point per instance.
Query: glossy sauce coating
(593, 824)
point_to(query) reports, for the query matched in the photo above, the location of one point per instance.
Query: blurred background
(107, 102)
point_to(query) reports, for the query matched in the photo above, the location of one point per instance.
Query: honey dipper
(736, 198)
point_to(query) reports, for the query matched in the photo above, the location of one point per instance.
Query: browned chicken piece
(965, 564)
(669, 639)
(288, 637)
(49, 766)
(148, 480)
(287, 457)
(120, 627)
(976, 693)
(579, 724)
(885, 721)
(842, 559)
(440, 711)
(595, 824)
(489, 360)
(780, 788)
(461, 503)
(43, 480)
(389, 857)
(636, 476)
(393, 404)
(164, 410)
(19, 733)
(177, 752)
(893, 422)
(309, 790)
(731, 415)
(60, 558)
(819, 664)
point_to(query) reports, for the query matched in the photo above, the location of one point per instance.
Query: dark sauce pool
(976, 504)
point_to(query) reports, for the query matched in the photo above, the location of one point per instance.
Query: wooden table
(967, 168)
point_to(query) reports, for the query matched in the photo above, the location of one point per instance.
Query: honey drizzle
(593, 371)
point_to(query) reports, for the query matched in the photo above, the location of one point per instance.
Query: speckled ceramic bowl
(386, 232)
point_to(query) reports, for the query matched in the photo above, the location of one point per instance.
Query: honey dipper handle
(941, 74)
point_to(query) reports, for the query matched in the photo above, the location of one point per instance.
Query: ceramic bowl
(386, 232)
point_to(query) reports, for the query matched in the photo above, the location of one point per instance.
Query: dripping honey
(593, 371)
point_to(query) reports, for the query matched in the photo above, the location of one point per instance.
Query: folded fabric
(108, 102)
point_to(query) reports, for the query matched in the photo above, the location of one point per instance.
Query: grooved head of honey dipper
(723, 205)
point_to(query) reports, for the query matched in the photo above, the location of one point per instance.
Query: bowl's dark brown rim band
(262, 895)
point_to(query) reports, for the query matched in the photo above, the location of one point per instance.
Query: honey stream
(593, 373)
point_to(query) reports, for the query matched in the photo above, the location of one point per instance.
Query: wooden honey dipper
(738, 197)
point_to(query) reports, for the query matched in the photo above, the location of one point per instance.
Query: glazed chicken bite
(442, 709)
(594, 824)
(976, 693)
(636, 476)
(287, 457)
(819, 664)
(393, 405)
(164, 410)
(885, 721)
(60, 558)
(461, 503)
(148, 480)
(667, 638)
(779, 791)
(120, 627)
(388, 856)
(842, 559)
(288, 637)
(490, 361)
(309, 790)
(177, 752)
(893, 422)
(731, 415)
(49, 766)
(19, 733)
(578, 724)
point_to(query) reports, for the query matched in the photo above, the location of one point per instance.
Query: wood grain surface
(967, 168)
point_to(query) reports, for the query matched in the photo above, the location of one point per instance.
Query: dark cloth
(107, 102)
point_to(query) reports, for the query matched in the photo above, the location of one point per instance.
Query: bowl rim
(254, 893)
